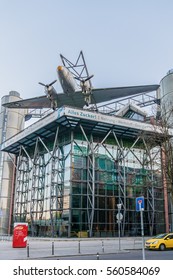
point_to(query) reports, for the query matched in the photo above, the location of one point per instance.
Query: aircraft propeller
(83, 81)
(47, 85)
(50, 93)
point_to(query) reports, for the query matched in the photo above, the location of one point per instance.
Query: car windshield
(160, 236)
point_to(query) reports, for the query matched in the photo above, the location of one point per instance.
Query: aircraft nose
(59, 68)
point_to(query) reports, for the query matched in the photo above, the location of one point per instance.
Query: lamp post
(119, 218)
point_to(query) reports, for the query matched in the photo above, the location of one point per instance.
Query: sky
(127, 42)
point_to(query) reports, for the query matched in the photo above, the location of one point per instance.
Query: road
(129, 255)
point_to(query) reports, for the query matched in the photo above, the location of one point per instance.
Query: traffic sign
(140, 203)
(119, 216)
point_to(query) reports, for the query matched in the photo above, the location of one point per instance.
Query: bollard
(52, 248)
(102, 246)
(79, 247)
(97, 256)
(27, 249)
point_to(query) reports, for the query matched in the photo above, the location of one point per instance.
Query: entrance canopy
(71, 118)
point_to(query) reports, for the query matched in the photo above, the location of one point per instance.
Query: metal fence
(5, 237)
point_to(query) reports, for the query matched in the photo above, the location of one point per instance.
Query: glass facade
(71, 186)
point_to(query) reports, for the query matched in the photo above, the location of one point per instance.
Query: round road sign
(119, 216)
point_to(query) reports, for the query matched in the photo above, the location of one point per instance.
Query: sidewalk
(39, 248)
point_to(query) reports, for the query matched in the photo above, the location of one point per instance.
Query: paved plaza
(40, 248)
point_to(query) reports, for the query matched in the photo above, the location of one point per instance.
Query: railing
(57, 248)
(43, 249)
(5, 237)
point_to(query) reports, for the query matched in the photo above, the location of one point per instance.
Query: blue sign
(140, 203)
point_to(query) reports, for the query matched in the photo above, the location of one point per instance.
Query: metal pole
(119, 222)
(102, 247)
(52, 248)
(119, 234)
(79, 247)
(27, 248)
(142, 232)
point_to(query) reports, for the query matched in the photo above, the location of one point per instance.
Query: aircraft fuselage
(66, 80)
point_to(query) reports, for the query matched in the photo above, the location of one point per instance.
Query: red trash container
(20, 233)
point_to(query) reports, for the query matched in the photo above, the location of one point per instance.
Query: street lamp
(119, 218)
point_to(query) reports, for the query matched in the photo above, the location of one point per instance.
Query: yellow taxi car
(161, 242)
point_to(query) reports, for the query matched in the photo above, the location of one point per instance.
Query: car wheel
(162, 247)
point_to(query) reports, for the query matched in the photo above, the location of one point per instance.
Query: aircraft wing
(35, 102)
(106, 94)
(76, 99)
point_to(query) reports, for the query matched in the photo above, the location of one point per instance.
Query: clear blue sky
(125, 42)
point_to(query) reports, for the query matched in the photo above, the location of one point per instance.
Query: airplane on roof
(77, 94)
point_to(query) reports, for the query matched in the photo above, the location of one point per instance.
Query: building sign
(83, 114)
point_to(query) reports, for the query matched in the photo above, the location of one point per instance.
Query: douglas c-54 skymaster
(72, 96)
